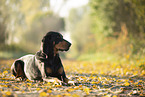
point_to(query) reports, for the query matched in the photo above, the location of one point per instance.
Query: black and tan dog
(45, 63)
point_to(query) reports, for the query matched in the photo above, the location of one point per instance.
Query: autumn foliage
(86, 79)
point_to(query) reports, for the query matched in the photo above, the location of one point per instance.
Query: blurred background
(98, 29)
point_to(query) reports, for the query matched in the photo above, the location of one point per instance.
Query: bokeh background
(107, 56)
(99, 30)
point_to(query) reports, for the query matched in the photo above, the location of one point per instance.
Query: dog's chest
(53, 70)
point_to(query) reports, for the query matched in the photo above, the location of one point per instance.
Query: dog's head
(53, 42)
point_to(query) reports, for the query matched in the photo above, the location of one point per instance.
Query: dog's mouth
(63, 49)
(63, 46)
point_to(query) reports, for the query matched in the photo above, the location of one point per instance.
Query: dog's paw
(66, 80)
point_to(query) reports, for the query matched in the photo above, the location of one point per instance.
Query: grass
(11, 54)
(99, 57)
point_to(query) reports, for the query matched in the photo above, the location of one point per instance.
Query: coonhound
(45, 63)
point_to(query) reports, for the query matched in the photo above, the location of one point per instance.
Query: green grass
(11, 54)
(99, 57)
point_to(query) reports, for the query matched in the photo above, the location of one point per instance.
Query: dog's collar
(43, 57)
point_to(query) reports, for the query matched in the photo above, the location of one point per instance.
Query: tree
(110, 15)
(22, 20)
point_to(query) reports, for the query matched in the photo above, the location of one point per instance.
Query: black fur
(46, 62)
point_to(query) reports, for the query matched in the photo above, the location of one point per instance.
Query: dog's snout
(63, 45)
(67, 45)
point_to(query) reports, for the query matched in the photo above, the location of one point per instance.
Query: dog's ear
(47, 45)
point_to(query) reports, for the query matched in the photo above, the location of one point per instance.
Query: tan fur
(19, 71)
(48, 70)
(60, 70)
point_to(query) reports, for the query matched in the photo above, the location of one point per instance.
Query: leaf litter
(86, 80)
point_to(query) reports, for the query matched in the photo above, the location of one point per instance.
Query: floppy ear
(47, 45)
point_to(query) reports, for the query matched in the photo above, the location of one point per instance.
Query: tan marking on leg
(19, 71)
(60, 70)
(66, 80)
(48, 70)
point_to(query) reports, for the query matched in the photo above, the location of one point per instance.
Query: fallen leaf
(43, 94)
(86, 90)
(8, 93)
(127, 84)
(49, 91)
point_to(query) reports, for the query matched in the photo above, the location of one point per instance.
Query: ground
(87, 79)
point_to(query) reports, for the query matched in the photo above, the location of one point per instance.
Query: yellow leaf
(76, 87)
(70, 90)
(93, 77)
(143, 72)
(29, 84)
(102, 72)
(8, 93)
(126, 80)
(136, 83)
(75, 95)
(127, 56)
(5, 86)
(127, 84)
(99, 79)
(23, 91)
(140, 81)
(114, 96)
(118, 67)
(58, 96)
(114, 79)
(6, 82)
(94, 82)
(58, 86)
(43, 94)
(94, 86)
(67, 94)
(87, 90)
(49, 91)
(38, 89)
(135, 73)
(5, 72)
(16, 87)
(27, 80)
(49, 83)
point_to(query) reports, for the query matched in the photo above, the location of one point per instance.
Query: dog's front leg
(62, 75)
(64, 78)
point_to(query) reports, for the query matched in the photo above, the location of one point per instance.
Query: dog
(45, 63)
